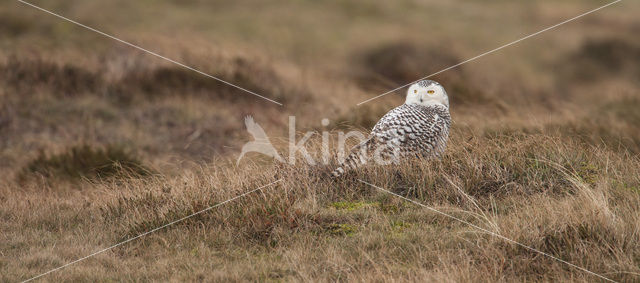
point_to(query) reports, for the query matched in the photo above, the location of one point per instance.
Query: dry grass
(519, 186)
(99, 143)
(80, 162)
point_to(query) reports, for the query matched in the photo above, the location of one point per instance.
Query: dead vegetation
(495, 183)
(604, 125)
(178, 81)
(85, 162)
(26, 76)
(98, 145)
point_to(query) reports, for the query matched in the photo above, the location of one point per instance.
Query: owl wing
(405, 130)
(413, 128)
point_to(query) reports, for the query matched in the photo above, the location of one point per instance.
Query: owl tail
(356, 158)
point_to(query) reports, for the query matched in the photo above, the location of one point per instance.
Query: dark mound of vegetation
(389, 66)
(602, 58)
(26, 75)
(179, 81)
(85, 162)
(401, 62)
(12, 25)
(63, 80)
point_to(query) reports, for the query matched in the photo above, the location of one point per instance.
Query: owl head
(427, 92)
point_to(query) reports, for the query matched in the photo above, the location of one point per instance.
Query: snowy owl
(417, 128)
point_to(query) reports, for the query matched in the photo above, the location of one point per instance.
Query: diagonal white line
(491, 51)
(150, 52)
(489, 232)
(151, 231)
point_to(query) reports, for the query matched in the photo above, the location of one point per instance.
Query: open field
(100, 142)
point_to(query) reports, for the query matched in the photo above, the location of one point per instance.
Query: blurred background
(100, 142)
(66, 88)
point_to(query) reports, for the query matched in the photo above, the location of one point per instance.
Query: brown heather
(100, 143)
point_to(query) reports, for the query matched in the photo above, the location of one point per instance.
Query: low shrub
(85, 161)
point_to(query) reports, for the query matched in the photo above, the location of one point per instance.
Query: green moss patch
(350, 206)
(342, 229)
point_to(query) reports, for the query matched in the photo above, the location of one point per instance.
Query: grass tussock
(26, 75)
(138, 83)
(85, 161)
(174, 81)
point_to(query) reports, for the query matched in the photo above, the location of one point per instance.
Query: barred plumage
(418, 128)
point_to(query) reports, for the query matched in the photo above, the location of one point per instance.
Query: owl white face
(427, 93)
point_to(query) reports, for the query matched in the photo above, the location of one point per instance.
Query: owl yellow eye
(415, 91)
(430, 91)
